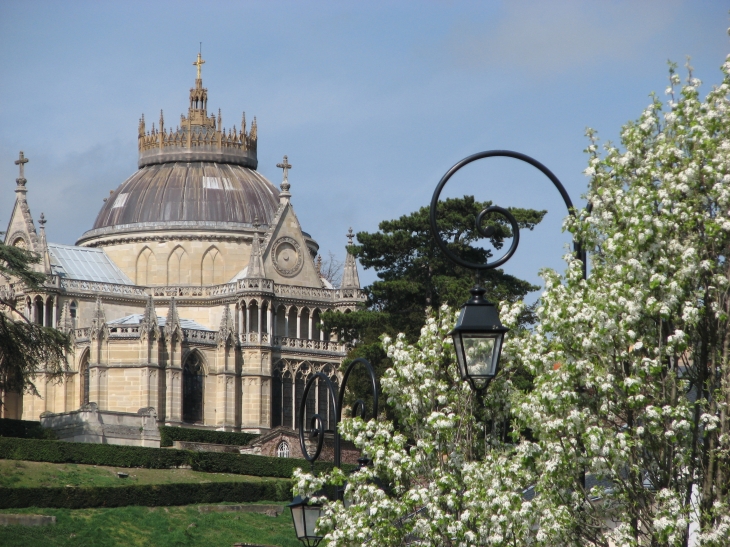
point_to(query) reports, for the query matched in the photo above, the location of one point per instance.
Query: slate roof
(136, 319)
(177, 192)
(85, 264)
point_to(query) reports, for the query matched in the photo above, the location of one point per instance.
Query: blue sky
(371, 101)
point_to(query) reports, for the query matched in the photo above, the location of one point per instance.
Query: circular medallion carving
(287, 256)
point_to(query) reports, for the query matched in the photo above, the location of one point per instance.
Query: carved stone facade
(196, 292)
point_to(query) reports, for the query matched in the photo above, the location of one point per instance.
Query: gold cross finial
(199, 63)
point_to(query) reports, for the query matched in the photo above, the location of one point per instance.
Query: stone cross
(350, 235)
(285, 166)
(199, 63)
(21, 161)
(42, 221)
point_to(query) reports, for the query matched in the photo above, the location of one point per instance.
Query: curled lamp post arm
(580, 254)
(317, 421)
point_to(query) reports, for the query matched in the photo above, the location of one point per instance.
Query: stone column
(286, 321)
(310, 332)
(248, 319)
(54, 322)
(258, 321)
(240, 323)
(268, 321)
(299, 323)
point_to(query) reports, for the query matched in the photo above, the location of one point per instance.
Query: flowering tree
(624, 436)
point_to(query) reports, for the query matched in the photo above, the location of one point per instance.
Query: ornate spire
(148, 326)
(173, 319)
(350, 277)
(255, 267)
(99, 315)
(284, 195)
(227, 331)
(67, 322)
(199, 137)
(43, 245)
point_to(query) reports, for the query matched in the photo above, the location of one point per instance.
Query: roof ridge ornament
(20, 162)
(285, 166)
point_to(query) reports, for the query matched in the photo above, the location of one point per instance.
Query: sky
(371, 101)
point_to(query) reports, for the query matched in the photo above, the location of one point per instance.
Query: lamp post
(304, 512)
(478, 334)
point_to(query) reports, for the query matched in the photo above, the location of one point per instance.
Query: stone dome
(195, 195)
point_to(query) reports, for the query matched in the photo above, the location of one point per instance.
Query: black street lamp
(478, 334)
(305, 513)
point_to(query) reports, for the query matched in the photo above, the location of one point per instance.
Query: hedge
(150, 495)
(25, 429)
(168, 434)
(152, 458)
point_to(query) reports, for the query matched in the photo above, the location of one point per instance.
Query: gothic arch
(84, 378)
(146, 267)
(178, 267)
(212, 267)
(193, 387)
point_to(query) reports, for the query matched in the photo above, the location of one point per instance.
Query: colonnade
(42, 311)
(284, 320)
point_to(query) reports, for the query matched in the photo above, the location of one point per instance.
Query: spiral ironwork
(489, 231)
(317, 421)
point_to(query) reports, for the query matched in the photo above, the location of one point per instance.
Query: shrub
(169, 434)
(24, 429)
(152, 458)
(146, 495)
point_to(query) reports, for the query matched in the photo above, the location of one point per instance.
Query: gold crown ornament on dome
(199, 137)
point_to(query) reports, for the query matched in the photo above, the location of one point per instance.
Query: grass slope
(18, 474)
(153, 526)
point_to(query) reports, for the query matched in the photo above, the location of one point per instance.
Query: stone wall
(91, 425)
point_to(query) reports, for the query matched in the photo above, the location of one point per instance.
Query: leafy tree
(414, 274)
(25, 348)
(631, 374)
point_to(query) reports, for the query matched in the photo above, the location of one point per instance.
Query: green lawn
(154, 526)
(15, 474)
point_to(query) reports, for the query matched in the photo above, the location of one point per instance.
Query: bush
(146, 495)
(169, 434)
(24, 429)
(152, 458)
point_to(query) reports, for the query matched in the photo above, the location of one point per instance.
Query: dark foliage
(25, 429)
(169, 434)
(25, 348)
(150, 495)
(152, 458)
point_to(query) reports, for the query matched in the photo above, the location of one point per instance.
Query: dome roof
(196, 195)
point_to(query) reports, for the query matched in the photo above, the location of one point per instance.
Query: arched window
(178, 267)
(72, 312)
(193, 389)
(212, 267)
(39, 307)
(146, 267)
(282, 451)
(84, 378)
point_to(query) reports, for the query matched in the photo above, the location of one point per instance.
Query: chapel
(196, 294)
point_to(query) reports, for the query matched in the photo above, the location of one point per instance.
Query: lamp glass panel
(297, 514)
(459, 349)
(480, 351)
(311, 514)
